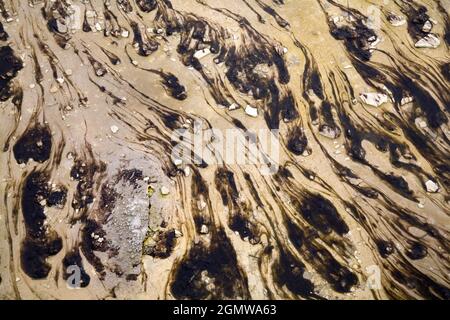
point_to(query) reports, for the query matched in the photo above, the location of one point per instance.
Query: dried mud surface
(87, 112)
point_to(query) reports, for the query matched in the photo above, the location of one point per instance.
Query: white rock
(53, 89)
(429, 41)
(60, 80)
(420, 123)
(427, 26)
(204, 229)
(69, 72)
(125, 34)
(233, 106)
(406, 100)
(178, 234)
(375, 42)
(202, 53)
(90, 14)
(251, 111)
(374, 99)
(164, 191)
(201, 205)
(114, 129)
(431, 186)
(187, 171)
(98, 26)
(32, 86)
(177, 161)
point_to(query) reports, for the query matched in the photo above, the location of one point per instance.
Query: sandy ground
(328, 224)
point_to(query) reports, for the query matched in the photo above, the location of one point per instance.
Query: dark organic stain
(385, 248)
(210, 272)
(35, 143)
(40, 241)
(89, 245)
(8, 70)
(416, 251)
(321, 214)
(289, 272)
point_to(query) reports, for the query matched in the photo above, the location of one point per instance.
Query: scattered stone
(60, 80)
(406, 100)
(125, 33)
(187, 171)
(177, 161)
(178, 234)
(251, 111)
(307, 275)
(420, 123)
(329, 131)
(90, 14)
(69, 72)
(374, 99)
(427, 26)
(429, 41)
(202, 53)
(32, 86)
(204, 229)
(431, 186)
(164, 190)
(233, 106)
(201, 205)
(114, 129)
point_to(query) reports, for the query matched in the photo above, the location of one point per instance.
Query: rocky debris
(374, 99)
(233, 106)
(427, 26)
(406, 100)
(187, 171)
(251, 111)
(54, 89)
(396, 20)
(421, 123)
(429, 41)
(431, 186)
(178, 234)
(331, 132)
(114, 129)
(164, 190)
(202, 53)
(177, 161)
(201, 205)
